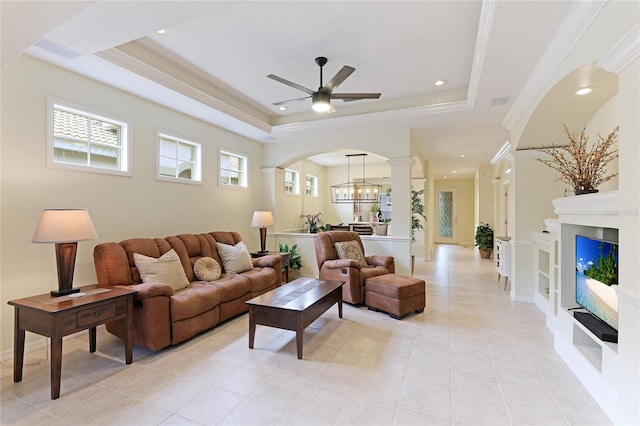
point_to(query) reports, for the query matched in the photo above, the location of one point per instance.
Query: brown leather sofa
(164, 316)
(350, 271)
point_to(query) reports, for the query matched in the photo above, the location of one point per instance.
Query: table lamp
(261, 220)
(65, 227)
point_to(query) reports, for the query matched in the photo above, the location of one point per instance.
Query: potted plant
(484, 240)
(373, 213)
(312, 222)
(584, 168)
(417, 211)
(382, 226)
(295, 260)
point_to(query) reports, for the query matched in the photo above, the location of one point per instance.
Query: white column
(401, 213)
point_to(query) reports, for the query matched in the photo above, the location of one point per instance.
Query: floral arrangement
(313, 222)
(581, 166)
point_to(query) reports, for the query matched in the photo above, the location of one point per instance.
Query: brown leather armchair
(348, 270)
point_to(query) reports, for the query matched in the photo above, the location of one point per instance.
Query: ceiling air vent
(499, 101)
(57, 49)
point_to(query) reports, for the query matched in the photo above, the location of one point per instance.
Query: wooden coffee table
(294, 306)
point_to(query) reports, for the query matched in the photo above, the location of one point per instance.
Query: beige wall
(121, 207)
(291, 207)
(602, 123)
(485, 196)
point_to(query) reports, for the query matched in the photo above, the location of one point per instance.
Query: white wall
(602, 123)
(608, 38)
(121, 207)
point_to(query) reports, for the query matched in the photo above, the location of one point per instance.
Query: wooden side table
(286, 260)
(55, 317)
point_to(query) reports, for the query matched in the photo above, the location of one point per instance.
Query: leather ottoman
(395, 294)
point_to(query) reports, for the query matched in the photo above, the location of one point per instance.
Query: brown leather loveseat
(164, 316)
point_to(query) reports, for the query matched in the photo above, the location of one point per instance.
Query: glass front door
(447, 216)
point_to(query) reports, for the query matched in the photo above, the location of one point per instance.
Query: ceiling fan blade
(289, 83)
(347, 97)
(337, 79)
(291, 100)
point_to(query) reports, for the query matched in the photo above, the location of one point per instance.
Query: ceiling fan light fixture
(321, 102)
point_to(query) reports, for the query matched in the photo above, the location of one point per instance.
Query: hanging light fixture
(355, 191)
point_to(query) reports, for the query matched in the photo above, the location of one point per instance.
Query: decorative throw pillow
(165, 269)
(351, 250)
(207, 269)
(235, 259)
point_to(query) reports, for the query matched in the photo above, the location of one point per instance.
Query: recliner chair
(350, 271)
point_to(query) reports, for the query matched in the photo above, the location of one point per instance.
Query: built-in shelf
(596, 363)
(503, 258)
(546, 294)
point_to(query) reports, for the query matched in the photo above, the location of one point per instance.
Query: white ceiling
(213, 60)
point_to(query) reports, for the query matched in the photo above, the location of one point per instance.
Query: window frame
(92, 113)
(314, 188)
(197, 169)
(243, 173)
(295, 182)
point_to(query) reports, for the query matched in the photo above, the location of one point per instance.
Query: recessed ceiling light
(462, 155)
(445, 177)
(454, 172)
(439, 82)
(162, 31)
(584, 91)
(282, 108)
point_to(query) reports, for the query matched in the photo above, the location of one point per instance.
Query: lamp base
(64, 292)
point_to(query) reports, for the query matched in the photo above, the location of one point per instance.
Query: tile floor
(473, 357)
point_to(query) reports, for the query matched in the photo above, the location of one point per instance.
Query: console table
(55, 317)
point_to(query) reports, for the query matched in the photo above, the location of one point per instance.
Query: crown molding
(136, 66)
(625, 51)
(485, 25)
(574, 25)
(374, 117)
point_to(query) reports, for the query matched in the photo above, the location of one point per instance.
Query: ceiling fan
(322, 97)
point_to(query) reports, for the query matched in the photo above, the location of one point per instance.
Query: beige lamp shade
(262, 219)
(64, 226)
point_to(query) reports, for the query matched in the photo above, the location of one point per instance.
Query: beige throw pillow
(235, 259)
(207, 269)
(351, 250)
(165, 269)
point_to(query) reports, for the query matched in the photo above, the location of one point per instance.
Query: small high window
(178, 159)
(85, 140)
(233, 169)
(311, 186)
(291, 182)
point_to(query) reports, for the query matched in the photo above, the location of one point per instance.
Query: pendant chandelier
(355, 191)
